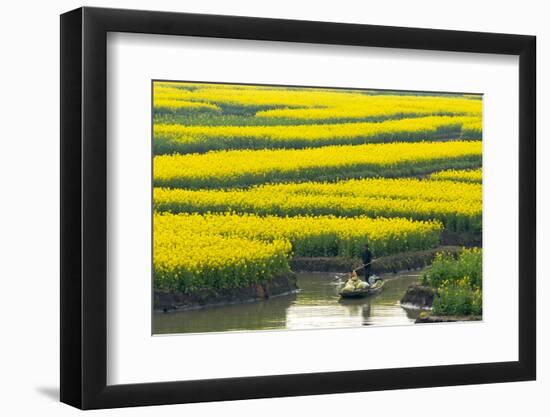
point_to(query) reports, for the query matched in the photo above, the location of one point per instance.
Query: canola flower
(175, 138)
(195, 260)
(317, 103)
(258, 174)
(458, 299)
(397, 188)
(169, 91)
(379, 106)
(458, 282)
(248, 167)
(174, 106)
(465, 175)
(228, 250)
(472, 129)
(447, 268)
(458, 214)
(310, 235)
(242, 95)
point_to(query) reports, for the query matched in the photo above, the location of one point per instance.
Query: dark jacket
(367, 257)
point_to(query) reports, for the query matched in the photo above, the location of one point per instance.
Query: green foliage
(458, 299)
(447, 268)
(458, 282)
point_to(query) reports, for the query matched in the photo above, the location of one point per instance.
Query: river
(316, 306)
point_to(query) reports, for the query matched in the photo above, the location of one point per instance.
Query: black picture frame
(84, 207)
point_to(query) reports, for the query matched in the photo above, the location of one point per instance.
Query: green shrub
(458, 299)
(458, 283)
(449, 267)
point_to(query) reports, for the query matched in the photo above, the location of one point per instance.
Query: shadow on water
(316, 306)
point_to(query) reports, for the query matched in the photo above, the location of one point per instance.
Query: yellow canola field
(189, 106)
(458, 214)
(176, 138)
(398, 188)
(379, 106)
(194, 260)
(248, 176)
(315, 103)
(248, 167)
(465, 175)
(227, 250)
(312, 235)
(169, 91)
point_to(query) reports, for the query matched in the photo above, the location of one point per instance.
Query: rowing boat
(365, 292)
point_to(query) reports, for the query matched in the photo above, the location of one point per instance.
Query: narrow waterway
(316, 305)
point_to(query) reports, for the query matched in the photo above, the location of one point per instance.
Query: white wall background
(29, 225)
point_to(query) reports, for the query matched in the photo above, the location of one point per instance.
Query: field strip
(400, 188)
(299, 102)
(195, 261)
(194, 250)
(378, 106)
(458, 215)
(310, 235)
(464, 175)
(177, 138)
(247, 167)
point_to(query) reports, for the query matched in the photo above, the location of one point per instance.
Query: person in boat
(367, 261)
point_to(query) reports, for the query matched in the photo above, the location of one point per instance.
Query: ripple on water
(316, 306)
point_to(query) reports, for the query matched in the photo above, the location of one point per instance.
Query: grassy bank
(412, 259)
(457, 281)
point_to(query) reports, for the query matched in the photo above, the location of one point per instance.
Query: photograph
(312, 207)
(260, 209)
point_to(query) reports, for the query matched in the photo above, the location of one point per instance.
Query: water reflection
(317, 305)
